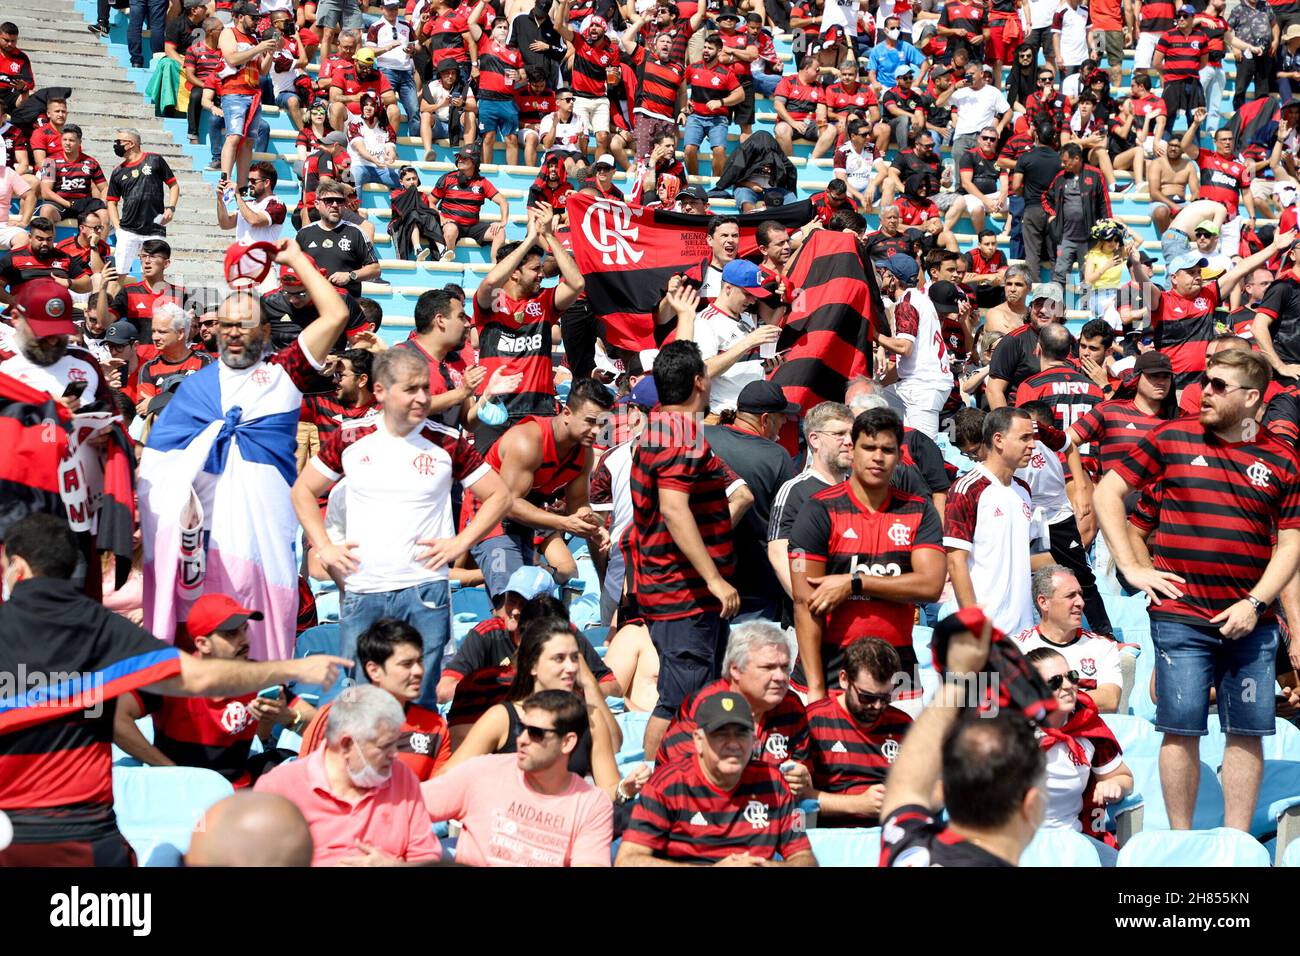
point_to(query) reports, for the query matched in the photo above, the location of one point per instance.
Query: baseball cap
(46, 306)
(1051, 291)
(245, 10)
(765, 397)
(939, 70)
(217, 612)
(903, 70)
(723, 710)
(121, 333)
(1153, 362)
(694, 192)
(167, 386)
(336, 138)
(945, 297)
(1209, 226)
(392, 3)
(644, 394)
(468, 152)
(445, 65)
(597, 22)
(194, 4)
(1188, 261)
(742, 273)
(530, 581)
(1186, 10)
(903, 267)
(604, 159)
(364, 55)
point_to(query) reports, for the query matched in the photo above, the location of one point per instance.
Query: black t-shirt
(927, 459)
(140, 191)
(912, 836)
(984, 171)
(907, 163)
(765, 466)
(880, 246)
(287, 324)
(489, 645)
(790, 499)
(341, 249)
(1015, 359)
(1281, 304)
(181, 33)
(1039, 167)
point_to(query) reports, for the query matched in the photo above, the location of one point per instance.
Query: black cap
(446, 64)
(120, 333)
(245, 10)
(166, 389)
(728, 13)
(764, 396)
(468, 152)
(946, 297)
(723, 710)
(694, 192)
(1153, 361)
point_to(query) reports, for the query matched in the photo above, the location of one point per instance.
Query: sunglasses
(1056, 680)
(209, 324)
(537, 734)
(988, 139)
(332, 200)
(1045, 81)
(1212, 383)
(866, 698)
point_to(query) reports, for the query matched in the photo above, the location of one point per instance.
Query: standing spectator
(856, 734)
(392, 39)
(239, 84)
(441, 331)
(924, 374)
(136, 205)
(202, 64)
(260, 216)
(682, 523)
(1180, 55)
(1212, 622)
(500, 69)
(135, 301)
(338, 248)
(1276, 321)
(891, 53)
(1213, 79)
(720, 332)
(712, 90)
(1060, 383)
(1074, 201)
(748, 446)
(555, 817)
(979, 104)
(1149, 20)
(719, 807)
(966, 27)
(171, 338)
(1070, 33)
(593, 54)
(661, 71)
(391, 576)
(1255, 24)
(534, 35)
(333, 16)
(862, 556)
(992, 533)
(363, 805)
(460, 196)
(156, 11)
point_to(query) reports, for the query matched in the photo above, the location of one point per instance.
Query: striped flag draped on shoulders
(34, 436)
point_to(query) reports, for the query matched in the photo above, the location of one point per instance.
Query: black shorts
(742, 114)
(690, 656)
(475, 232)
(1183, 95)
(82, 206)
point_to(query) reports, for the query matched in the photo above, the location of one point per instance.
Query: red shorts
(1001, 47)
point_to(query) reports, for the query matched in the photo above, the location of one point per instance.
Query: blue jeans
(156, 10)
(1016, 206)
(502, 555)
(766, 83)
(408, 93)
(1213, 81)
(234, 110)
(426, 607)
(363, 173)
(216, 135)
(713, 128)
(1191, 660)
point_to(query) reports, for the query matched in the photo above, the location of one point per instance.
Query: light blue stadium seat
(120, 757)
(1140, 702)
(1219, 847)
(473, 601)
(1137, 737)
(327, 607)
(1291, 855)
(921, 644)
(157, 805)
(321, 639)
(850, 846)
(1279, 791)
(1283, 744)
(632, 723)
(584, 611)
(1057, 847)
(598, 636)
(1208, 812)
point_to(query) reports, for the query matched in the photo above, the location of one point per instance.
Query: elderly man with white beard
(37, 351)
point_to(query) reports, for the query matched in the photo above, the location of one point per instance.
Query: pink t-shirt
(11, 186)
(391, 818)
(504, 822)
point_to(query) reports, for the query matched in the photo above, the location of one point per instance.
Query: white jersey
(1067, 779)
(998, 526)
(1094, 656)
(919, 324)
(271, 231)
(76, 365)
(858, 167)
(715, 333)
(1046, 480)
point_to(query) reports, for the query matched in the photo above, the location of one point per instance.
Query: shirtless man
(1012, 313)
(632, 658)
(1173, 180)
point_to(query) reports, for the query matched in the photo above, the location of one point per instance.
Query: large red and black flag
(34, 436)
(1252, 119)
(628, 253)
(836, 315)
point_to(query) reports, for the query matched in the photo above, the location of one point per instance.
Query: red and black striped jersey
(1111, 429)
(212, 732)
(913, 836)
(205, 63)
(424, 744)
(15, 140)
(1282, 298)
(317, 164)
(22, 265)
(1056, 108)
(136, 300)
(707, 83)
(1183, 54)
(552, 476)
(590, 63)
(970, 18)
(1157, 16)
(801, 101)
(499, 68)
(1282, 416)
(673, 454)
(836, 528)
(1184, 327)
(533, 106)
(1223, 179)
(478, 693)
(446, 35)
(72, 250)
(514, 336)
(658, 84)
(682, 816)
(461, 200)
(1220, 506)
(157, 368)
(1070, 392)
(1215, 29)
(738, 41)
(781, 734)
(327, 413)
(1284, 8)
(848, 757)
(75, 180)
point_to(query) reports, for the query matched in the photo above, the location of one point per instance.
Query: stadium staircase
(105, 97)
(403, 281)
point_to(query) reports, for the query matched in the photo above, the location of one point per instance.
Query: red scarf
(1085, 722)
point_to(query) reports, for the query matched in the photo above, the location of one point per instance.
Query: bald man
(251, 829)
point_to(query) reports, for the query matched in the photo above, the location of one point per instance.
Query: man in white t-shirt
(993, 535)
(976, 104)
(1070, 35)
(726, 343)
(37, 350)
(1058, 597)
(924, 376)
(399, 538)
(259, 217)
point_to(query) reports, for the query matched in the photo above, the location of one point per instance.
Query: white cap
(605, 159)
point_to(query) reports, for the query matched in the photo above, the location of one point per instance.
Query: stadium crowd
(834, 563)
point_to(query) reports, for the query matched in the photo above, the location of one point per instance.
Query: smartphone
(74, 390)
(270, 693)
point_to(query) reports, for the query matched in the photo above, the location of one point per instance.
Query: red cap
(598, 22)
(248, 265)
(217, 612)
(289, 275)
(46, 306)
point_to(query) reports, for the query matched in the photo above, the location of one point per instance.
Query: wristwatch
(856, 579)
(352, 276)
(1259, 606)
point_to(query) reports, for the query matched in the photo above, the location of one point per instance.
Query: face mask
(119, 149)
(493, 413)
(367, 778)
(893, 34)
(7, 588)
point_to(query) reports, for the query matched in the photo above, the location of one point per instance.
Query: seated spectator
(391, 655)
(717, 806)
(1059, 600)
(757, 667)
(13, 232)
(212, 732)
(992, 768)
(250, 829)
(564, 132)
(528, 809)
(460, 196)
(415, 227)
(1085, 765)
(74, 183)
(801, 111)
(535, 100)
(363, 805)
(903, 114)
(372, 147)
(856, 735)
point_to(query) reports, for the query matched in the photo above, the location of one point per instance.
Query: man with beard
(41, 259)
(441, 331)
(38, 354)
(353, 397)
(712, 90)
(460, 196)
(257, 398)
(338, 247)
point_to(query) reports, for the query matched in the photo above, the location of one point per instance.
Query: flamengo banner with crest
(627, 254)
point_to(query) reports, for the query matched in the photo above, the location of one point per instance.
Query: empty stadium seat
(1219, 847)
(321, 639)
(471, 601)
(1057, 847)
(850, 846)
(156, 805)
(633, 724)
(1291, 855)
(120, 757)
(921, 644)
(1137, 736)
